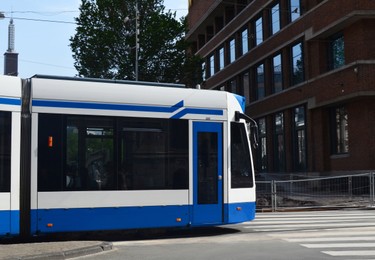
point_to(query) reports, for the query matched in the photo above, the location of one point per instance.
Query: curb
(104, 246)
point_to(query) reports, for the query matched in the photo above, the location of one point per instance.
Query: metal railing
(341, 191)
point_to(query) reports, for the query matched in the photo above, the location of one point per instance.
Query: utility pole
(11, 56)
(136, 39)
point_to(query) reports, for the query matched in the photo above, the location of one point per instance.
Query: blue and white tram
(10, 136)
(105, 155)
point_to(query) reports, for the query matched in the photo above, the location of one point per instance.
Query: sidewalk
(52, 250)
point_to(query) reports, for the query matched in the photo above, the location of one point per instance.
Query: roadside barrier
(328, 192)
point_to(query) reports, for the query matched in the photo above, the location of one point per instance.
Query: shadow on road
(124, 235)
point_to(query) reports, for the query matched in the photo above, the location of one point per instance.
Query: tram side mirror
(253, 127)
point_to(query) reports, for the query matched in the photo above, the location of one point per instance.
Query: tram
(82, 154)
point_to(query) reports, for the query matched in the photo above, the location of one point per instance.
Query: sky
(43, 46)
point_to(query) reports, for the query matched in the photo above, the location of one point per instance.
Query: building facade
(307, 70)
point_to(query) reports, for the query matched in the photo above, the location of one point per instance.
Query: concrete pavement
(52, 250)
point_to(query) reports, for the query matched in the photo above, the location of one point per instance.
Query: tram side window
(242, 175)
(5, 150)
(89, 153)
(77, 153)
(50, 152)
(153, 154)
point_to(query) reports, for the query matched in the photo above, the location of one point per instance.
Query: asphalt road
(342, 234)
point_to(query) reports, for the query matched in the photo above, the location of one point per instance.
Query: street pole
(136, 39)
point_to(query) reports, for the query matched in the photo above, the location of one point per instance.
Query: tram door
(207, 173)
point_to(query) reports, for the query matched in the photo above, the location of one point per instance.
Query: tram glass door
(207, 173)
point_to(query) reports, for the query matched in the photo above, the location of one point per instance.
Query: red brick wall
(198, 9)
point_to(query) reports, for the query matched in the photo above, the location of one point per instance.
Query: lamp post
(2, 16)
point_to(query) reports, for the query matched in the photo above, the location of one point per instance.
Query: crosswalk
(340, 234)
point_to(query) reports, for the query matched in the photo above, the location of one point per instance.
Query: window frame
(299, 139)
(300, 77)
(275, 13)
(260, 85)
(262, 151)
(276, 89)
(279, 142)
(245, 46)
(339, 120)
(258, 34)
(336, 51)
(294, 10)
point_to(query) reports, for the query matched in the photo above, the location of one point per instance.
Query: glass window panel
(233, 86)
(5, 151)
(51, 167)
(232, 50)
(300, 157)
(242, 176)
(262, 161)
(338, 52)
(295, 9)
(221, 59)
(279, 160)
(279, 122)
(246, 87)
(204, 71)
(275, 17)
(297, 63)
(342, 132)
(149, 154)
(245, 41)
(259, 31)
(212, 65)
(299, 116)
(260, 81)
(153, 154)
(277, 74)
(207, 168)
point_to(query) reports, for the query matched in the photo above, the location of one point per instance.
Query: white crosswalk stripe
(341, 234)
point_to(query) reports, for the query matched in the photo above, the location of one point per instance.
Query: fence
(342, 191)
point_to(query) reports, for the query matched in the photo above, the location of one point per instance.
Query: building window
(279, 159)
(275, 19)
(262, 151)
(212, 65)
(232, 50)
(233, 86)
(245, 41)
(295, 9)
(259, 31)
(340, 132)
(277, 74)
(204, 75)
(221, 58)
(297, 64)
(246, 87)
(337, 52)
(300, 158)
(260, 91)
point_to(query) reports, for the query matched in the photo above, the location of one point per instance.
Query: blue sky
(43, 47)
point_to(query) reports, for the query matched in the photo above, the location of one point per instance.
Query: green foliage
(105, 40)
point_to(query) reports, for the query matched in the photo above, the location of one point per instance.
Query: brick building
(307, 70)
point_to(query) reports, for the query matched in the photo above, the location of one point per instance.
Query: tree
(105, 40)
